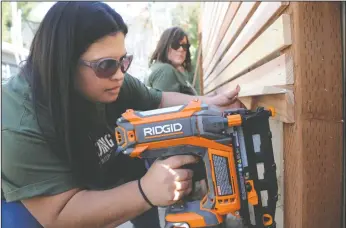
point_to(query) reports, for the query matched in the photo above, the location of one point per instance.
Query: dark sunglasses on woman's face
(176, 46)
(106, 67)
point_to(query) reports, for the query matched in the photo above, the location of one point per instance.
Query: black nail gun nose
(231, 144)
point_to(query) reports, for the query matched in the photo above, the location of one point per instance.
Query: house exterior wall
(308, 64)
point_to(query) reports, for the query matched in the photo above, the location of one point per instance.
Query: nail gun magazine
(231, 145)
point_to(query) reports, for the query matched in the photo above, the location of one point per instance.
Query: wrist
(209, 100)
(147, 201)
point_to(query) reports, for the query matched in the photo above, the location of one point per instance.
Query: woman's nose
(118, 76)
(181, 49)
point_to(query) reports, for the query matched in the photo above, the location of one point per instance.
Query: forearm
(102, 208)
(172, 99)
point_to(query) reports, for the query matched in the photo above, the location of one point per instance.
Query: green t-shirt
(29, 166)
(165, 77)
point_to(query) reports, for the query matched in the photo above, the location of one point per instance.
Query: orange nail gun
(231, 144)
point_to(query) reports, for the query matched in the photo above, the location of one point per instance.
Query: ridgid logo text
(162, 129)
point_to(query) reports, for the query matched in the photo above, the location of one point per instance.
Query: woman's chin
(109, 98)
(178, 63)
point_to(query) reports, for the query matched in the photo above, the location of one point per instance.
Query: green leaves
(6, 17)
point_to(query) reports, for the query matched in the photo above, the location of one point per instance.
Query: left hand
(227, 100)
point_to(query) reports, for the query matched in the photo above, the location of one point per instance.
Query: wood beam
(283, 104)
(218, 19)
(231, 12)
(277, 72)
(207, 22)
(279, 33)
(263, 14)
(242, 16)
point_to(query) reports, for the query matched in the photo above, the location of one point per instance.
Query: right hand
(165, 182)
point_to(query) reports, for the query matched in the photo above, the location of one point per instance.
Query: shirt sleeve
(142, 97)
(164, 79)
(29, 168)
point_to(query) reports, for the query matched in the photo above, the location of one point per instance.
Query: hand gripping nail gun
(231, 144)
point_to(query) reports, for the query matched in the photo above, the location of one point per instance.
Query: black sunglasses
(106, 67)
(176, 46)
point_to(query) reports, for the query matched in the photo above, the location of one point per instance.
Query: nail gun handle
(189, 214)
(198, 169)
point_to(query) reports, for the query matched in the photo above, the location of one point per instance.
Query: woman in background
(170, 64)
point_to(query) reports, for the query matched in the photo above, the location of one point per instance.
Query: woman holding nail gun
(58, 119)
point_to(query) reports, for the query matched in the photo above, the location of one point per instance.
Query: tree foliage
(6, 17)
(5, 21)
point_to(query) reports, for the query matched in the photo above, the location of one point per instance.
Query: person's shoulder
(162, 65)
(16, 85)
(15, 93)
(161, 70)
(18, 112)
(130, 83)
(130, 80)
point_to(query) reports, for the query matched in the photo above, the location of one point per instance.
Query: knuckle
(184, 185)
(172, 195)
(172, 187)
(178, 185)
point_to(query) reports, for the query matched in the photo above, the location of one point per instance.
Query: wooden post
(313, 144)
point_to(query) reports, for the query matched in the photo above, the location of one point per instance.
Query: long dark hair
(169, 36)
(65, 33)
